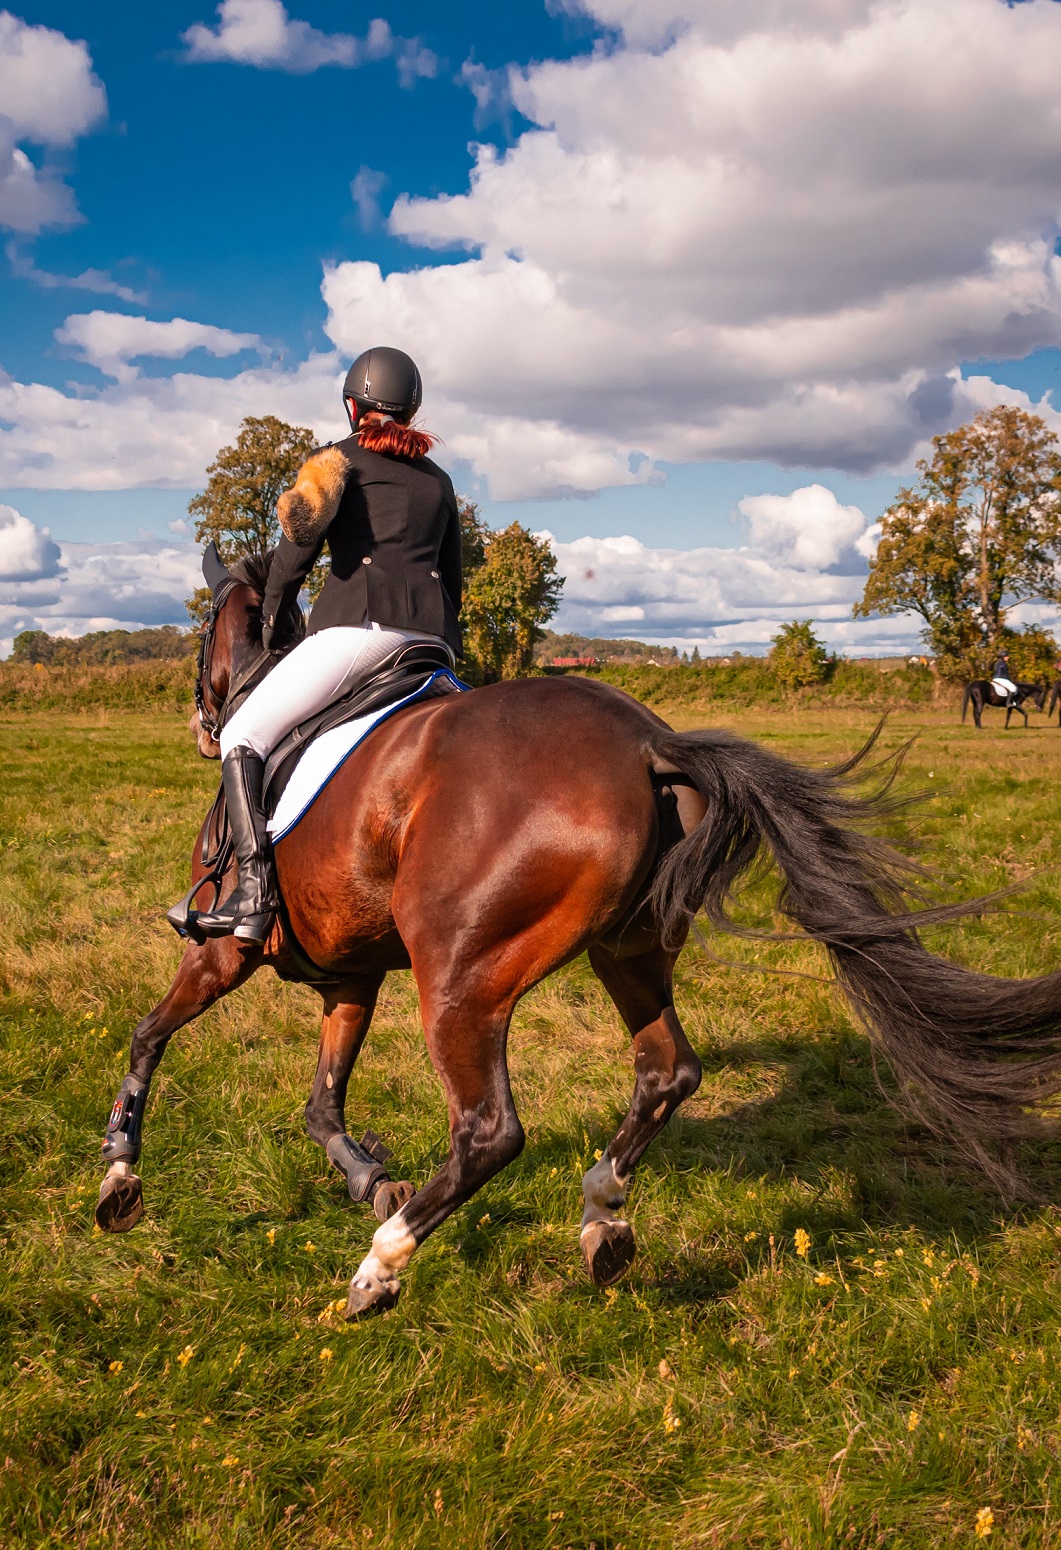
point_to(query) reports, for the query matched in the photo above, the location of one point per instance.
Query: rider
(389, 517)
(1002, 680)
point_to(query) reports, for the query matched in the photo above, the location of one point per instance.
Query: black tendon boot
(249, 911)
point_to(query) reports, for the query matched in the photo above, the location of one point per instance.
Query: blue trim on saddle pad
(327, 754)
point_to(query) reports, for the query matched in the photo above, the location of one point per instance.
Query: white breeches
(319, 670)
(1004, 686)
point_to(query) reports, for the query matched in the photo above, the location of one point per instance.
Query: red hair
(378, 433)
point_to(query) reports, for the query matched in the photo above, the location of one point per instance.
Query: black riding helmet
(386, 379)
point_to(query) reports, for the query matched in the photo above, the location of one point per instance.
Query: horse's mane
(253, 570)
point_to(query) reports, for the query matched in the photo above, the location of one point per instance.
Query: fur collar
(305, 512)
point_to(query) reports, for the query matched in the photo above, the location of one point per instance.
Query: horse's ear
(214, 569)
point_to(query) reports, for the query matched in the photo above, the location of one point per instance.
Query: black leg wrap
(363, 1172)
(122, 1141)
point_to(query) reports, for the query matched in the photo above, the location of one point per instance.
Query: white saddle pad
(325, 754)
(1003, 686)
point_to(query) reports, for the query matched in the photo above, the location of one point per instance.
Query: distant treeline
(104, 648)
(167, 685)
(552, 646)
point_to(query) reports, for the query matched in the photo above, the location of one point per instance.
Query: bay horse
(485, 839)
(982, 692)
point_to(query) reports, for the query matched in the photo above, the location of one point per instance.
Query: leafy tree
(979, 533)
(475, 535)
(797, 657)
(507, 600)
(1033, 654)
(238, 507)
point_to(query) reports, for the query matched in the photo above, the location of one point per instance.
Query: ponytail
(379, 433)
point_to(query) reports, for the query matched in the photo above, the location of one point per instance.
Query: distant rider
(1003, 682)
(389, 517)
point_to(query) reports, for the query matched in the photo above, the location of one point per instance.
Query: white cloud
(808, 530)
(48, 96)
(261, 33)
(157, 431)
(96, 280)
(84, 587)
(27, 553)
(111, 340)
(773, 237)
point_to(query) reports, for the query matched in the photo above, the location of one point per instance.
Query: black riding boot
(249, 911)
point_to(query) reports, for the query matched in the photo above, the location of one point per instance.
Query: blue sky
(667, 268)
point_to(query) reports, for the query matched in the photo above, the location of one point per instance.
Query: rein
(244, 681)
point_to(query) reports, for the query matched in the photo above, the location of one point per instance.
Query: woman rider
(389, 517)
(1002, 681)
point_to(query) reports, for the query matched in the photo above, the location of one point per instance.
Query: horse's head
(231, 641)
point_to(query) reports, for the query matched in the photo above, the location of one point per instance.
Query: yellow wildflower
(597, 1155)
(240, 1354)
(483, 1219)
(309, 1246)
(880, 1268)
(985, 1522)
(926, 1302)
(750, 1237)
(271, 1235)
(230, 1461)
(115, 1366)
(899, 1253)
(913, 1421)
(186, 1355)
(438, 1502)
(326, 1353)
(928, 1257)
(671, 1422)
(823, 1280)
(802, 1238)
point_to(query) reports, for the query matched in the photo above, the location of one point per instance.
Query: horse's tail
(966, 698)
(972, 1053)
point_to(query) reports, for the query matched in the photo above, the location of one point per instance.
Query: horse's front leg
(206, 973)
(466, 1038)
(348, 1011)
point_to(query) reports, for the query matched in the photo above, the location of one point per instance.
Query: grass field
(190, 1384)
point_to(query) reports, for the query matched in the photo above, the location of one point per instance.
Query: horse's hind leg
(348, 1011)
(466, 1038)
(666, 1070)
(206, 973)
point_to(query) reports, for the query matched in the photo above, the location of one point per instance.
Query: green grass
(881, 1391)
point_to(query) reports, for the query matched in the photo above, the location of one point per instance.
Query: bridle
(241, 685)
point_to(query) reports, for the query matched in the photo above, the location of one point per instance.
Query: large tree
(978, 534)
(508, 596)
(238, 507)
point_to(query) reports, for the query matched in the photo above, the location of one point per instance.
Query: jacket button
(435, 574)
(367, 560)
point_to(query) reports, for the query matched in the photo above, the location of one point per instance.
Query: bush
(158, 685)
(797, 656)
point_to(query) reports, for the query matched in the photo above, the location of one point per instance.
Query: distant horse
(485, 839)
(982, 692)
(1055, 699)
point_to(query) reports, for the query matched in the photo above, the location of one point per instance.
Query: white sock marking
(605, 1193)
(392, 1249)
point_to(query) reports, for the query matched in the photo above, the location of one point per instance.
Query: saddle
(407, 669)
(415, 665)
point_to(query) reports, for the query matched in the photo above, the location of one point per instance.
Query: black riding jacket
(395, 547)
(1001, 670)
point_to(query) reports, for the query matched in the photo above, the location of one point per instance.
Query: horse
(485, 839)
(982, 692)
(1055, 700)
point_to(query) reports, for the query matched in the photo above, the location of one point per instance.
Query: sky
(691, 283)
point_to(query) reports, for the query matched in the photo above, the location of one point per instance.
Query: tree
(797, 656)
(979, 533)
(238, 507)
(507, 598)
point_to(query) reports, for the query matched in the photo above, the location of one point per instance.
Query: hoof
(608, 1249)
(364, 1301)
(391, 1197)
(121, 1203)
